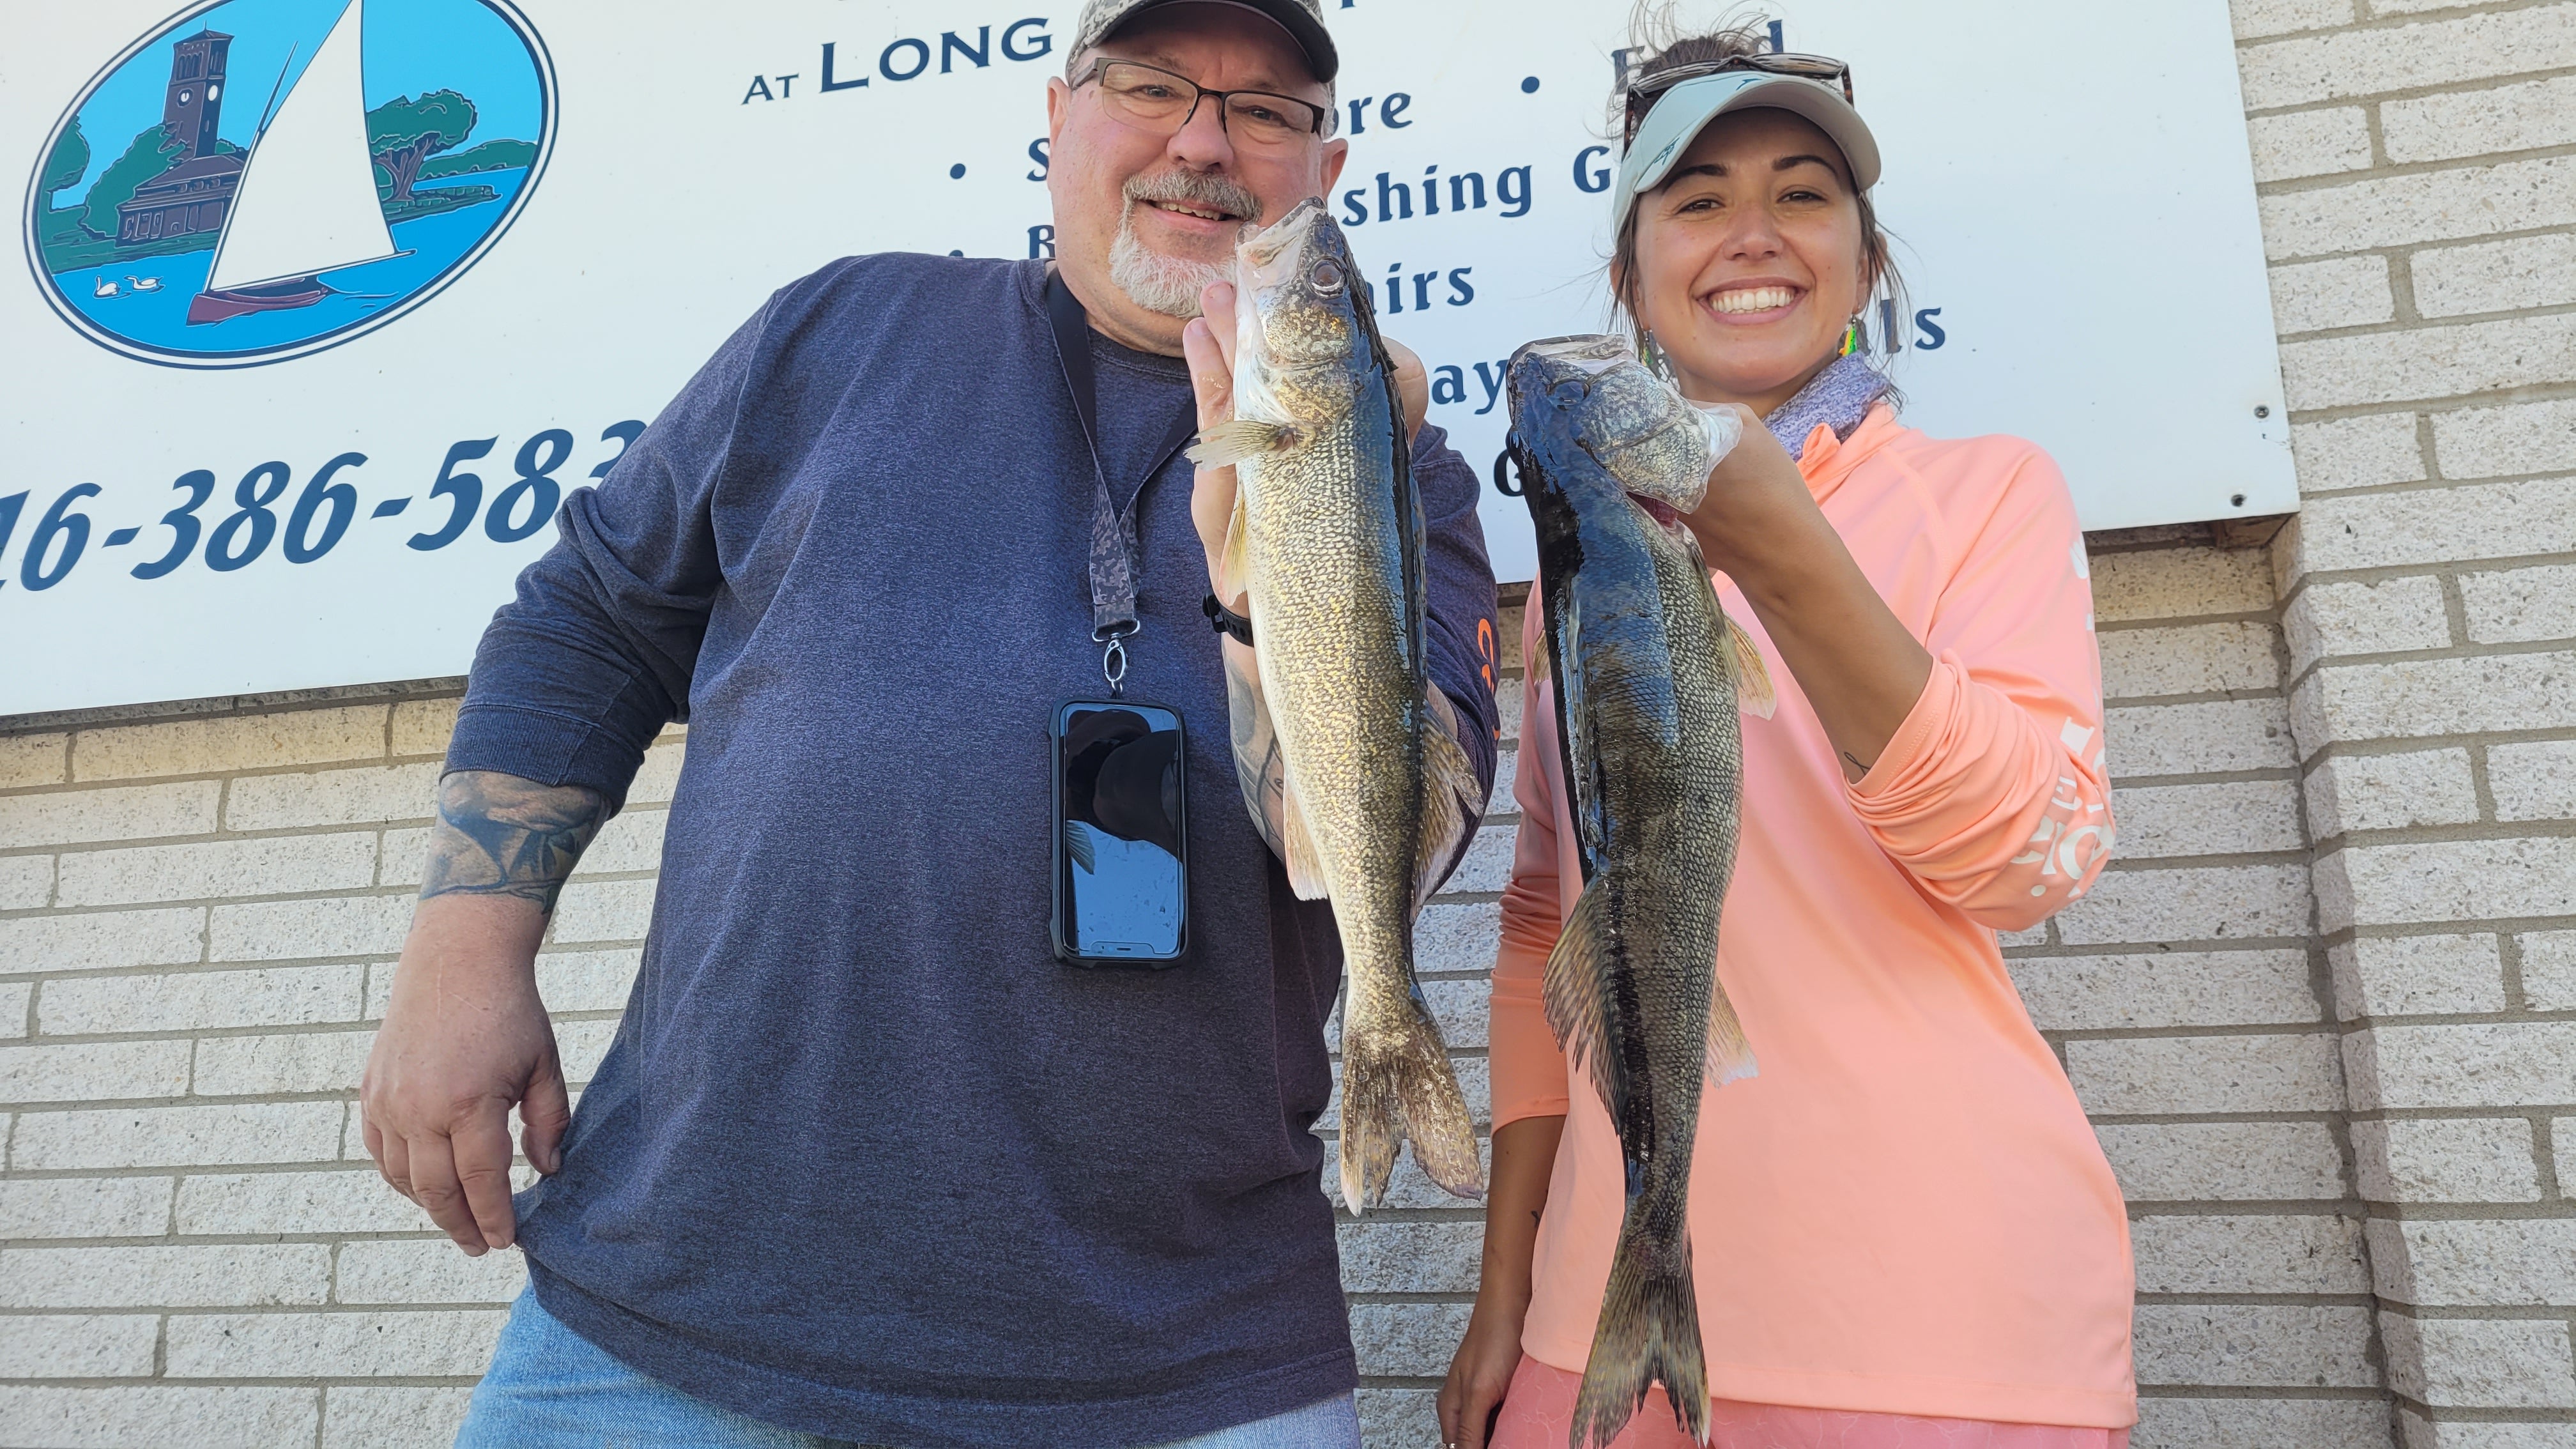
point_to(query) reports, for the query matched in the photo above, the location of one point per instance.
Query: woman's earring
(1651, 353)
(1854, 340)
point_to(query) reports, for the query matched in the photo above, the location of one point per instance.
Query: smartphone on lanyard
(1122, 858)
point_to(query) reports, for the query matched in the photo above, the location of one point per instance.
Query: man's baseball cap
(1302, 19)
(1681, 113)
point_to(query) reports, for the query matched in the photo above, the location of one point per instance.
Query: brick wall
(2323, 1008)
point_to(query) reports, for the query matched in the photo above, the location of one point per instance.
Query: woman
(1904, 1233)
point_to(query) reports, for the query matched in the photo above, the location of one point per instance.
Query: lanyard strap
(1114, 550)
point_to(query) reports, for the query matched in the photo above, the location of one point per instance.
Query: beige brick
(2257, 18)
(2179, 583)
(332, 1345)
(406, 856)
(34, 760)
(2417, 975)
(2167, 1075)
(2490, 1064)
(198, 1000)
(305, 1061)
(2454, 360)
(2456, 204)
(347, 1200)
(26, 882)
(2298, 144)
(588, 980)
(2228, 1254)
(1398, 1418)
(1487, 865)
(270, 866)
(392, 1418)
(241, 1275)
(2192, 659)
(105, 941)
(630, 842)
(612, 910)
(2460, 880)
(2360, 452)
(2193, 739)
(2481, 1159)
(423, 1270)
(86, 1346)
(279, 930)
(2453, 124)
(2513, 606)
(84, 1207)
(580, 1045)
(94, 1071)
(1387, 1256)
(660, 774)
(421, 726)
(2493, 442)
(248, 742)
(1456, 937)
(2224, 1161)
(370, 795)
(2343, 292)
(2236, 818)
(130, 812)
(128, 1415)
(2234, 1345)
(1507, 708)
(2503, 276)
(2440, 525)
(2324, 620)
(131, 1137)
(2533, 781)
(2390, 792)
(2478, 1264)
(2414, 697)
(2227, 903)
(1407, 1340)
(2444, 52)
(15, 998)
(2261, 1423)
(1502, 801)
(2549, 973)
(2166, 988)
(2472, 1364)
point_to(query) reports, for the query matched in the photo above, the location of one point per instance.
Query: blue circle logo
(262, 179)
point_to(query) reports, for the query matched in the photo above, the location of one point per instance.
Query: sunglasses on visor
(1820, 68)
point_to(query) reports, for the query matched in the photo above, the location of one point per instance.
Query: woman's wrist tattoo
(500, 835)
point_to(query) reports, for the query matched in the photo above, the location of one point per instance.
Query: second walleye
(1647, 671)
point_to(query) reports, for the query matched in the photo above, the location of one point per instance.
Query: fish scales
(1644, 665)
(1377, 794)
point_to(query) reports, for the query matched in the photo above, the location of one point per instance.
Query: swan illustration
(142, 284)
(105, 288)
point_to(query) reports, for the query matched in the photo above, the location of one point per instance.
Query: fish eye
(1327, 276)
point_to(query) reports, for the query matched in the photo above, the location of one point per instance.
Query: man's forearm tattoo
(500, 835)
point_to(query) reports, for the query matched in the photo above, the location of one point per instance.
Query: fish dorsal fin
(1297, 843)
(1450, 810)
(1234, 562)
(1574, 995)
(1752, 677)
(1222, 445)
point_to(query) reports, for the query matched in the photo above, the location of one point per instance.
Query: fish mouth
(1591, 352)
(1269, 254)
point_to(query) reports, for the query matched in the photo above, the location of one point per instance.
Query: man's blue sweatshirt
(865, 1159)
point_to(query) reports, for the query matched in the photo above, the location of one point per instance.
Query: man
(866, 1161)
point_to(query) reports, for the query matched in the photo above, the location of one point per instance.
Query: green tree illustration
(69, 162)
(403, 133)
(153, 151)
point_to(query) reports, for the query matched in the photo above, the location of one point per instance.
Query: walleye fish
(1327, 535)
(1648, 671)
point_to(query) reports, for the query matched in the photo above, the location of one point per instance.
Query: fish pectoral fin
(1450, 811)
(1297, 844)
(1573, 993)
(1730, 1054)
(1234, 562)
(1752, 677)
(1222, 445)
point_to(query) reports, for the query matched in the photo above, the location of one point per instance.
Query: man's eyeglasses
(1157, 100)
(1821, 68)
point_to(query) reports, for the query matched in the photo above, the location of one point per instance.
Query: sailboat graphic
(307, 203)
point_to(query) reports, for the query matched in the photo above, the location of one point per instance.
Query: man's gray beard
(1167, 284)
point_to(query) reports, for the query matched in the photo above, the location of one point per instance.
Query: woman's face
(1749, 258)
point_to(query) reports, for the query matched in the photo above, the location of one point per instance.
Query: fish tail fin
(1450, 810)
(1398, 1084)
(1753, 687)
(1572, 991)
(1648, 1334)
(1224, 444)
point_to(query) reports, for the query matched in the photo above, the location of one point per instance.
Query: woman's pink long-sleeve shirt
(1905, 1211)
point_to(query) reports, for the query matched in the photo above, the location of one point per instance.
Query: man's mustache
(1196, 188)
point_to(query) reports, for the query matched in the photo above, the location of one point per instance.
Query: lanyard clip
(1113, 654)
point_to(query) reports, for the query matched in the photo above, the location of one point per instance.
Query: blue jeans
(551, 1388)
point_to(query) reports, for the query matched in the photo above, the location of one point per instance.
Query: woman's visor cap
(1680, 114)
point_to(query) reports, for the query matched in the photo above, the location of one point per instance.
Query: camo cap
(1302, 19)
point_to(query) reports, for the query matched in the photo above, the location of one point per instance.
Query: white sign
(266, 430)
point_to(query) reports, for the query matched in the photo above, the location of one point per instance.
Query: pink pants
(1538, 1413)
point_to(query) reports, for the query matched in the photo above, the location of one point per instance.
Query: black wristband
(1226, 621)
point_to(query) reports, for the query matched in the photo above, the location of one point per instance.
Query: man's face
(1144, 221)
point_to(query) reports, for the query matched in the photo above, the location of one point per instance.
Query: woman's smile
(1750, 303)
